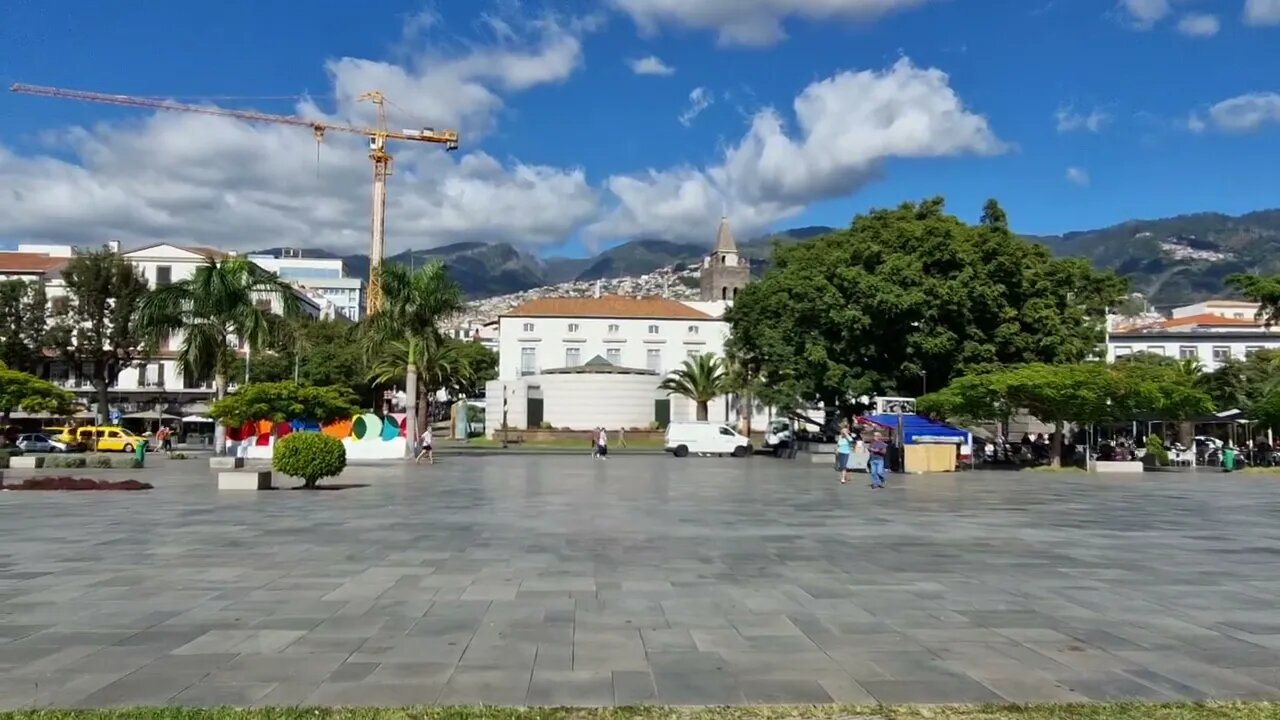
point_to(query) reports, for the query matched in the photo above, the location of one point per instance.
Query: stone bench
(245, 480)
(1111, 466)
(226, 462)
(26, 461)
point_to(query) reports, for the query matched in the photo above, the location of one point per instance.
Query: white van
(705, 438)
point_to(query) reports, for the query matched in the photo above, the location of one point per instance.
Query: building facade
(1210, 333)
(724, 272)
(328, 277)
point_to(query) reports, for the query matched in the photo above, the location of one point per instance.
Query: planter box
(226, 463)
(245, 480)
(26, 461)
(1133, 466)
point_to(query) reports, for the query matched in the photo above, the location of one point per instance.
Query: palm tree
(701, 379)
(440, 366)
(223, 304)
(413, 304)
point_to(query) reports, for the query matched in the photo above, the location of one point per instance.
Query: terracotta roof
(22, 262)
(1204, 319)
(609, 306)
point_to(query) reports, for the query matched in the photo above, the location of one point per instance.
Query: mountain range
(1171, 261)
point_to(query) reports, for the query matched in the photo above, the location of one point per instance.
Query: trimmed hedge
(311, 456)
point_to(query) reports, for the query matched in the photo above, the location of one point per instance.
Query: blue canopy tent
(921, 430)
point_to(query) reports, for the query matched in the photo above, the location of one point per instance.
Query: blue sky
(1074, 114)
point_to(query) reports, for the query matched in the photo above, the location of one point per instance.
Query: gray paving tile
(583, 688)
(633, 687)
(215, 694)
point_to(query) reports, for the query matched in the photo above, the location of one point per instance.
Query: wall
(551, 338)
(575, 401)
(1228, 308)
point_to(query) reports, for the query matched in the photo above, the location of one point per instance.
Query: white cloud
(1199, 25)
(1143, 14)
(1196, 124)
(651, 65)
(221, 182)
(846, 127)
(699, 99)
(751, 22)
(1262, 12)
(1068, 120)
(1078, 176)
(1241, 114)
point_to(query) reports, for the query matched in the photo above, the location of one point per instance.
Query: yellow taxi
(109, 438)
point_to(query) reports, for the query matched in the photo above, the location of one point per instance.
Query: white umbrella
(196, 419)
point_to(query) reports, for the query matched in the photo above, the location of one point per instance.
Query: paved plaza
(558, 580)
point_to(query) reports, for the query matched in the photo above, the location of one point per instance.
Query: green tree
(701, 379)
(284, 401)
(223, 304)
(97, 328)
(912, 291)
(23, 324)
(24, 391)
(439, 364)
(414, 302)
(1264, 290)
(482, 366)
(314, 352)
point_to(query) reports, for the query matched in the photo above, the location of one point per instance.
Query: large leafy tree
(1262, 289)
(482, 366)
(96, 329)
(223, 304)
(439, 363)
(914, 291)
(23, 324)
(414, 303)
(284, 401)
(701, 379)
(19, 390)
(313, 352)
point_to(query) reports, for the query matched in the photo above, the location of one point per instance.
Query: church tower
(723, 271)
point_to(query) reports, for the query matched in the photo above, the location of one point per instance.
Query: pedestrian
(595, 443)
(424, 447)
(602, 444)
(878, 449)
(166, 439)
(622, 437)
(844, 448)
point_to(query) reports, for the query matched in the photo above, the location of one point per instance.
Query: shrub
(67, 462)
(101, 461)
(1156, 451)
(544, 425)
(309, 455)
(130, 463)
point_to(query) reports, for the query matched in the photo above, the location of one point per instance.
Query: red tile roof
(29, 263)
(609, 306)
(1204, 319)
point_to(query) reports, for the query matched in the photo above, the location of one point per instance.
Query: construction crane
(378, 137)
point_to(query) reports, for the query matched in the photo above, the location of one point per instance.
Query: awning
(151, 415)
(920, 430)
(197, 419)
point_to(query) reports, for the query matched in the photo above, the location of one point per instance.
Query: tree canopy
(284, 401)
(23, 324)
(321, 352)
(23, 391)
(1264, 290)
(701, 379)
(909, 293)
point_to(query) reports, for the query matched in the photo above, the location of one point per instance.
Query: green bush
(129, 463)
(1156, 451)
(101, 461)
(66, 462)
(311, 456)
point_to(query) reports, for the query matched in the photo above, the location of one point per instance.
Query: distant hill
(1170, 260)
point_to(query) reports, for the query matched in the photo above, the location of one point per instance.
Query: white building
(1210, 332)
(326, 276)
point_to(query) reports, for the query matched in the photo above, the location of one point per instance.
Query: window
(1188, 352)
(1239, 316)
(1123, 351)
(1251, 350)
(692, 354)
(1156, 350)
(164, 275)
(573, 327)
(528, 360)
(572, 357)
(653, 329)
(613, 329)
(693, 329)
(726, 431)
(653, 359)
(59, 305)
(724, 293)
(614, 356)
(1221, 353)
(528, 327)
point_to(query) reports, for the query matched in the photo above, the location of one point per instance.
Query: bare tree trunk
(424, 411)
(702, 411)
(219, 431)
(100, 389)
(411, 430)
(747, 406)
(1055, 447)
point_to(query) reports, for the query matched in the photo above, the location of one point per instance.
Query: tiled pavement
(527, 580)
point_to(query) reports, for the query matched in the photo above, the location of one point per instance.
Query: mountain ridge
(1174, 260)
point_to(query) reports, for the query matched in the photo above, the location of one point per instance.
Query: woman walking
(844, 448)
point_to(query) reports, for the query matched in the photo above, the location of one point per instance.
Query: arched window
(724, 259)
(735, 293)
(724, 293)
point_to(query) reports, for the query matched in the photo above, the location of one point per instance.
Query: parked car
(110, 438)
(705, 438)
(41, 443)
(779, 436)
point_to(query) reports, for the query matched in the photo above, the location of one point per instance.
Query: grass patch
(1062, 469)
(1258, 470)
(1092, 711)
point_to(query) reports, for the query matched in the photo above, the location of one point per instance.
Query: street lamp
(924, 382)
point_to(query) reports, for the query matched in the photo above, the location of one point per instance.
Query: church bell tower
(724, 272)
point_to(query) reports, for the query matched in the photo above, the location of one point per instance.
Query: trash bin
(140, 453)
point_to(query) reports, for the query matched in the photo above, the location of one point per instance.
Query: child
(426, 448)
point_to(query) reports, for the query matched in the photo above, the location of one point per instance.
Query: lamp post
(924, 382)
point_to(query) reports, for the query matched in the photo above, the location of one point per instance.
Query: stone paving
(558, 580)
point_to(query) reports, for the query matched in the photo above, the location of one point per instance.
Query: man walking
(878, 449)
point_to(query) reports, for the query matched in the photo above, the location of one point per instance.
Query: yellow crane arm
(448, 138)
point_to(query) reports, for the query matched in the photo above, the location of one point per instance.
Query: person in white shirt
(425, 448)
(603, 444)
